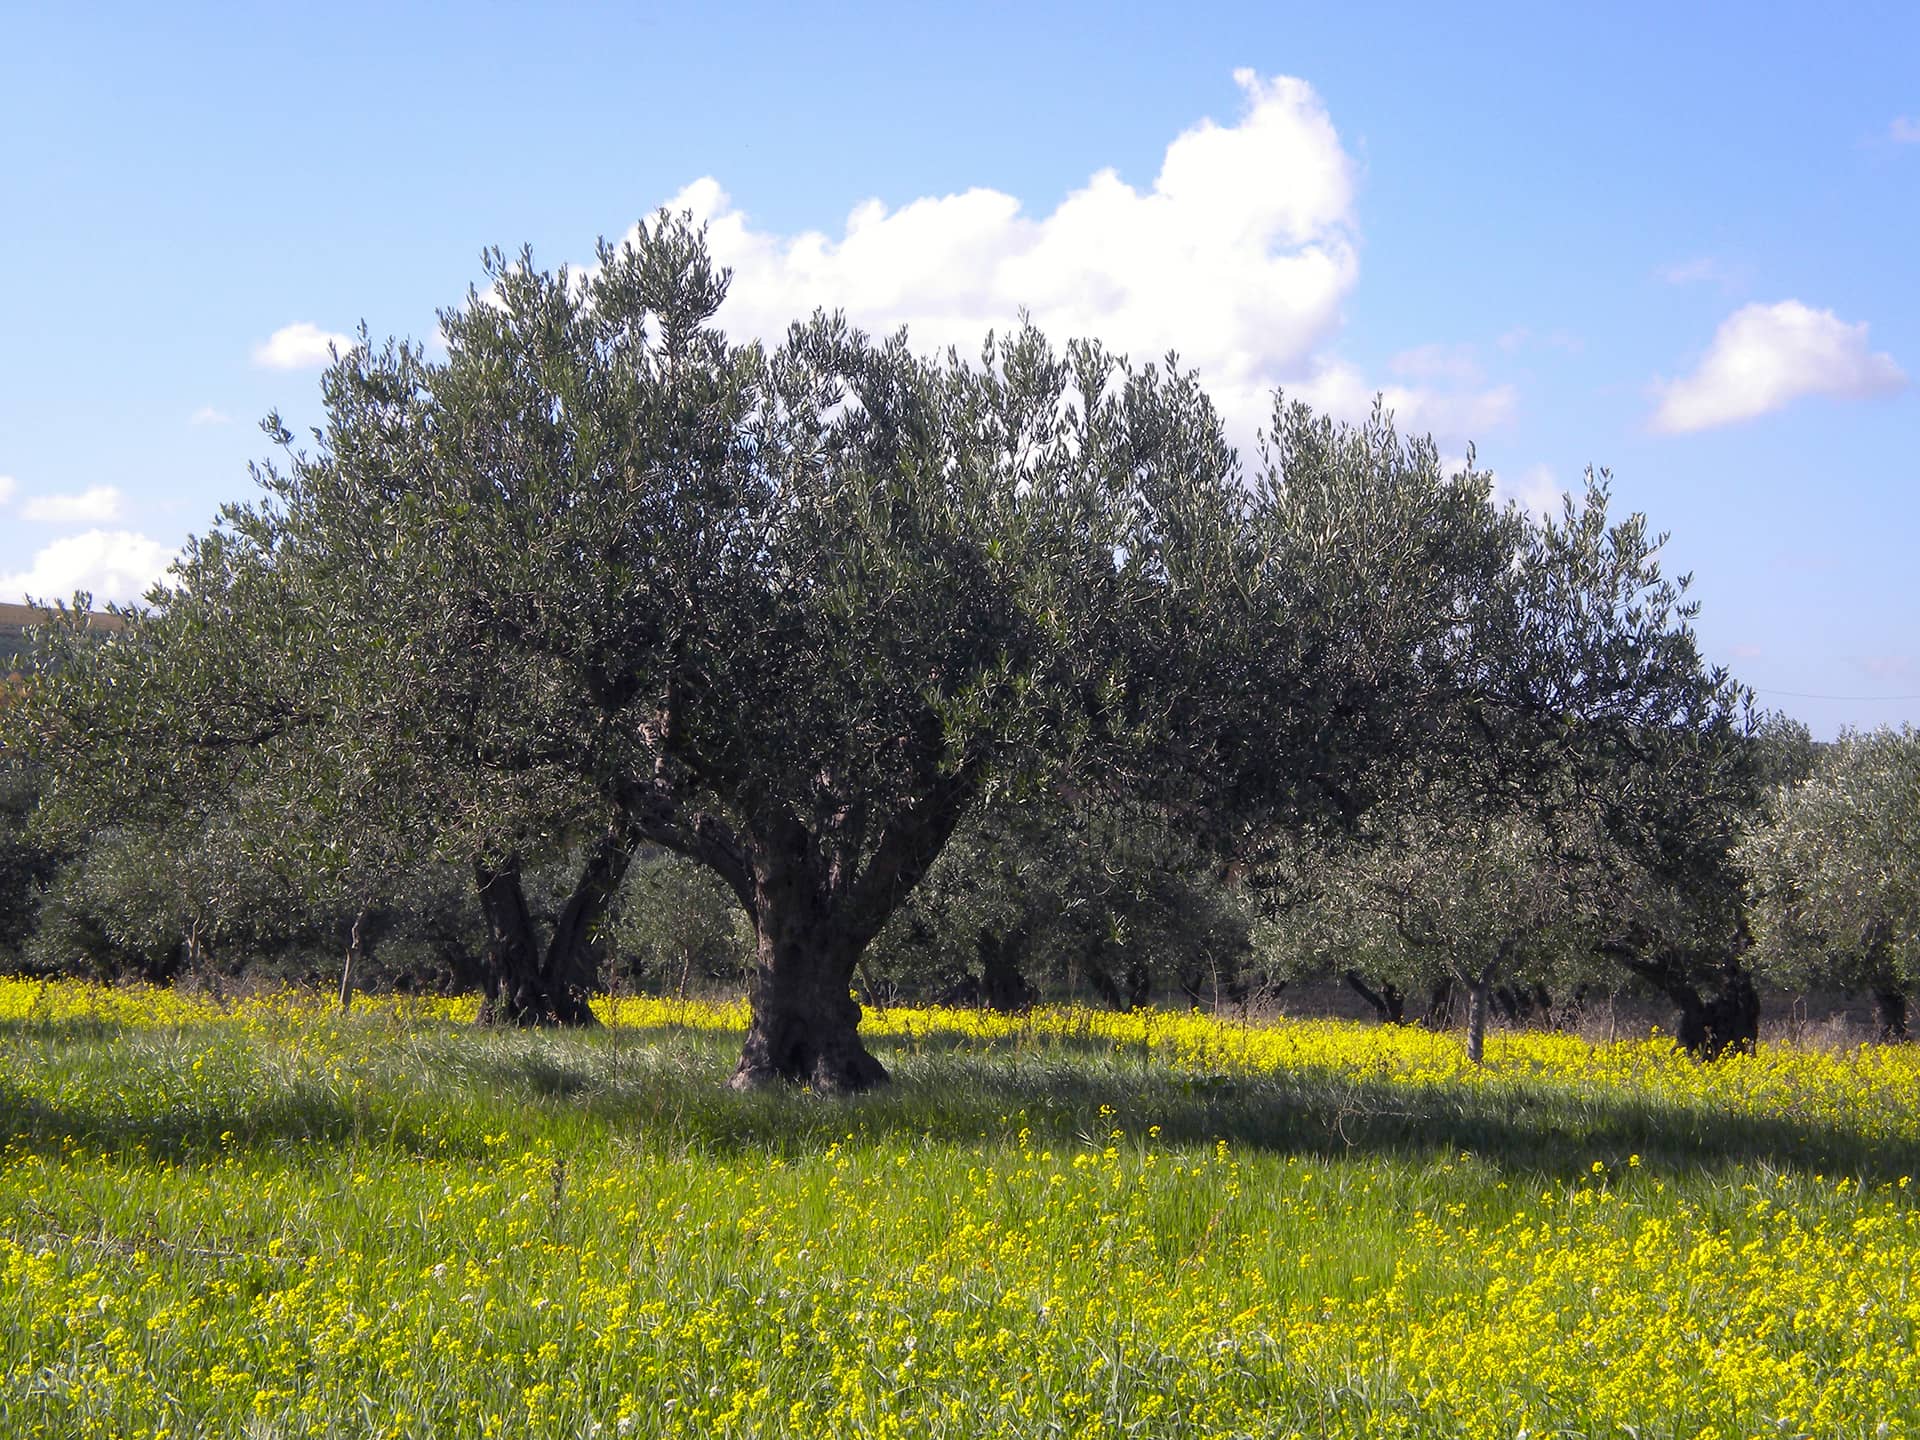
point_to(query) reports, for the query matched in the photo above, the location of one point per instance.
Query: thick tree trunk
(1711, 1023)
(805, 1028)
(1387, 1002)
(1892, 1005)
(1002, 986)
(814, 913)
(572, 959)
(1727, 1021)
(522, 986)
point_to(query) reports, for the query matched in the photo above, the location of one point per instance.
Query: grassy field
(271, 1220)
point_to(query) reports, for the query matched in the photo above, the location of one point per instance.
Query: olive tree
(601, 579)
(1833, 872)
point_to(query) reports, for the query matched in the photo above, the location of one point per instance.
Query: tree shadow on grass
(297, 1122)
(1524, 1128)
(66, 1030)
(661, 1087)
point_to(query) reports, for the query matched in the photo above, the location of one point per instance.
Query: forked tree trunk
(524, 986)
(1388, 1002)
(812, 919)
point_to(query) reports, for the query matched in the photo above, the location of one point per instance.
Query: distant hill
(16, 645)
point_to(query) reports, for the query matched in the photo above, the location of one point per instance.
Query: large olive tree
(600, 579)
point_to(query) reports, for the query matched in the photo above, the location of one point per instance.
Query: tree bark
(805, 1027)
(1711, 1024)
(814, 912)
(1724, 1022)
(352, 960)
(1388, 1002)
(522, 985)
(1002, 987)
(1479, 998)
(1892, 1006)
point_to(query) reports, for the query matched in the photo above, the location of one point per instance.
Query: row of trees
(862, 636)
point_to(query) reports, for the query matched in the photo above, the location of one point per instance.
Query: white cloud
(207, 415)
(1764, 356)
(115, 565)
(300, 346)
(1904, 131)
(1457, 363)
(7, 486)
(1239, 256)
(91, 506)
(1453, 416)
(1536, 490)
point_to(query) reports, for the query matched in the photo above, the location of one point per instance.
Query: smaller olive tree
(1834, 873)
(1437, 895)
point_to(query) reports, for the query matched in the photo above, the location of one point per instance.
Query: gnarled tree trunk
(805, 1027)
(1003, 987)
(815, 908)
(1388, 1002)
(524, 985)
(1725, 1022)
(1891, 1002)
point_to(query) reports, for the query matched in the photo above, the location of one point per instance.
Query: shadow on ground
(664, 1089)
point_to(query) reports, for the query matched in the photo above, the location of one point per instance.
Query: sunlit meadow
(268, 1219)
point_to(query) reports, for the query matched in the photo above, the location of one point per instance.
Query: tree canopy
(602, 579)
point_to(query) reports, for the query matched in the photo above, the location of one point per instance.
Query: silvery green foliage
(1834, 867)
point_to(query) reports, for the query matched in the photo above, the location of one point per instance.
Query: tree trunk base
(1726, 1022)
(529, 1008)
(786, 1050)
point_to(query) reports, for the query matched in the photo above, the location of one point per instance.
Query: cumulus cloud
(1536, 490)
(116, 565)
(1452, 416)
(1765, 356)
(90, 507)
(1904, 131)
(1239, 255)
(300, 346)
(7, 486)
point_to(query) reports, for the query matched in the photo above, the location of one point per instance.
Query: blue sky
(1677, 244)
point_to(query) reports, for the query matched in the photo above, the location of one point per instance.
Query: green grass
(293, 1224)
